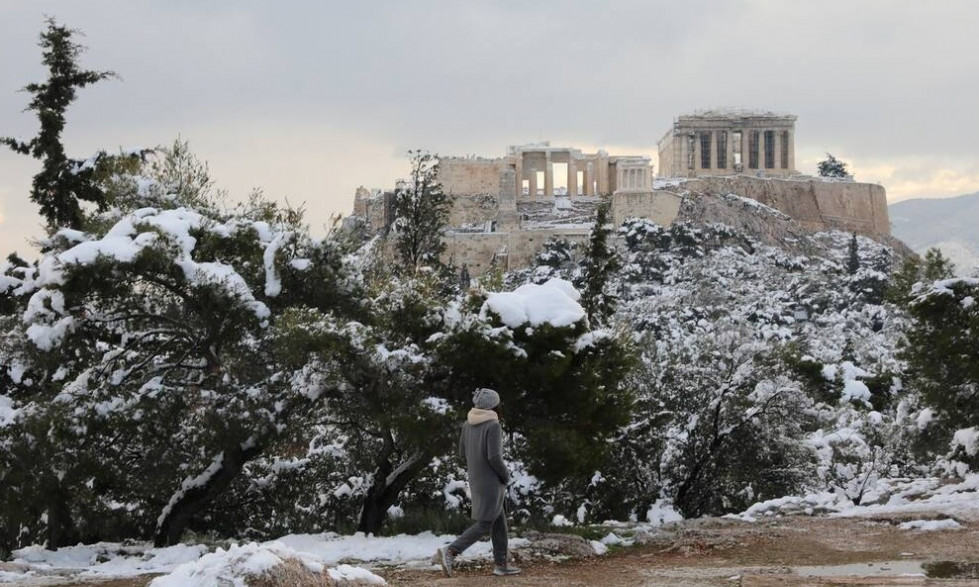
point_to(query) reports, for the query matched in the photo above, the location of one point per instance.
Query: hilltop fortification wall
(469, 176)
(814, 203)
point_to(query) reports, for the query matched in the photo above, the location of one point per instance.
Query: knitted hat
(485, 398)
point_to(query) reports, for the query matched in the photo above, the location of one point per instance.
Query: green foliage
(853, 256)
(600, 264)
(732, 420)
(943, 355)
(936, 266)
(916, 272)
(557, 254)
(438, 521)
(562, 388)
(62, 182)
(421, 212)
(832, 167)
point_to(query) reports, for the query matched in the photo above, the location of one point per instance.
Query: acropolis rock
(505, 208)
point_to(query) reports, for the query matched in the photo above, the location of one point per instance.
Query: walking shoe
(504, 570)
(444, 558)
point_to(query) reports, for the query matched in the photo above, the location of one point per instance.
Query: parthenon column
(572, 178)
(532, 192)
(518, 166)
(792, 151)
(589, 179)
(548, 176)
(777, 146)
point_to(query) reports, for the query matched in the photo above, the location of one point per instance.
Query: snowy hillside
(179, 369)
(950, 224)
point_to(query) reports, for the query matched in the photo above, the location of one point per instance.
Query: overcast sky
(309, 99)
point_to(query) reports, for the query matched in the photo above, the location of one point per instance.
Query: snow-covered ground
(927, 504)
(927, 497)
(195, 565)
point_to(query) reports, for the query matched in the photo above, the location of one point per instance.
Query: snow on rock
(554, 302)
(611, 539)
(807, 505)
(274, 561)
(561, 545)
(116, 560)
(343, 573)
(898, 497)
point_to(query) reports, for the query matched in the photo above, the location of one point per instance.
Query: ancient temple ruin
(539, 171)
(725, 142)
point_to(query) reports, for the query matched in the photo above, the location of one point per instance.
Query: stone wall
(660, 206)
(470, 176)
(475, 250)
(376, 209)
(512, 250)
(816, 204)
(474, 209)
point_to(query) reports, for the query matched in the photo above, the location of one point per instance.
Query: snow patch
(554, 302)
(930, 525)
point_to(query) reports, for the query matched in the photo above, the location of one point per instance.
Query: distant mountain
(950, 224)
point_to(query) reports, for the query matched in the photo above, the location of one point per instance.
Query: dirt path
(704, 553)
(721, 552)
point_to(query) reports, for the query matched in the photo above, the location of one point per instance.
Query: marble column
(791, 151)
(548, 177)
(572, 178)
(518, 168)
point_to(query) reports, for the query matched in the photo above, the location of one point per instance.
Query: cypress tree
(421, 212)
(601, 263)
(62, 182)
(853, 256)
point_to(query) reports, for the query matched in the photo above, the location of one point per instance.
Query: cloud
(311, 99)
(921, 176)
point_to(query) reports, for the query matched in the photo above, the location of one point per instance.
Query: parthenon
(724, 142)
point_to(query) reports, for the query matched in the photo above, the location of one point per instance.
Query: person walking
(481, 444)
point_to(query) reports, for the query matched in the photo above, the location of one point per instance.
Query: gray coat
(482, 447)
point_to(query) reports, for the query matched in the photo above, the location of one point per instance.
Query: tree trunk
(197, 493)
(386, 486)
(61, 527)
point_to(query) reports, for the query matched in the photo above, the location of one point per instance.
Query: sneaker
(504, 570)
(444, 558)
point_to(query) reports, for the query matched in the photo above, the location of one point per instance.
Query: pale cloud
(311, 99)
(942, 182)
(906, 177)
